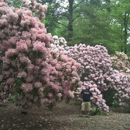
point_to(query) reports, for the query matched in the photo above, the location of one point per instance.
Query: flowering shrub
(97, 72)
(37, 8)
(122, 86)
(96, 66)
(29, 68)
(120, 62)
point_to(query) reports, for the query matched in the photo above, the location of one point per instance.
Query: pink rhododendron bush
(97, 72)
(120, 62)
(30, 70)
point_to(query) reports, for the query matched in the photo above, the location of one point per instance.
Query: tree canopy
(91, 22)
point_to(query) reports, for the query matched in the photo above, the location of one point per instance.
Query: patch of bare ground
(62, 117)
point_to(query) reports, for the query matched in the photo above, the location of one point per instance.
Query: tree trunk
(125, 33)
(70, 24)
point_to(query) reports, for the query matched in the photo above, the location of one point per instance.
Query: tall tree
(122, 21)
(70, 20)
(52, 17)
(95, 23)
(64, 14)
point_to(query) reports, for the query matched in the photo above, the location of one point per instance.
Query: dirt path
(63, 117)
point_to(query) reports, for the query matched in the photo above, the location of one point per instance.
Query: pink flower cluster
(120, 62)
(97, 72)
(37, 8)
(96, 64)
(30, 69)
(62, 70)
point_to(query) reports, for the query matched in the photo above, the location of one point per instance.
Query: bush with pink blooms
(37, 8)
(120, 61)
(30, 70)
(97, 72)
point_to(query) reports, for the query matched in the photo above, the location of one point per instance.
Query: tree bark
(70, 24)
(125, 33)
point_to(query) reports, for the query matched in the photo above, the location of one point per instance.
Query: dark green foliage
(17, 83)
(115, 103)
(14, 98)
(128, 110)
(95, 111)
(15, 3)
(109, 97)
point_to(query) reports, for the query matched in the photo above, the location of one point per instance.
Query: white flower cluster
(59, 44)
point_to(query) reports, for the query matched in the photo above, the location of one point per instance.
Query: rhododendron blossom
(30, 69)
(120, 62)
(97, 72)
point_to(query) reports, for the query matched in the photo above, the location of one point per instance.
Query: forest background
(91, 22)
